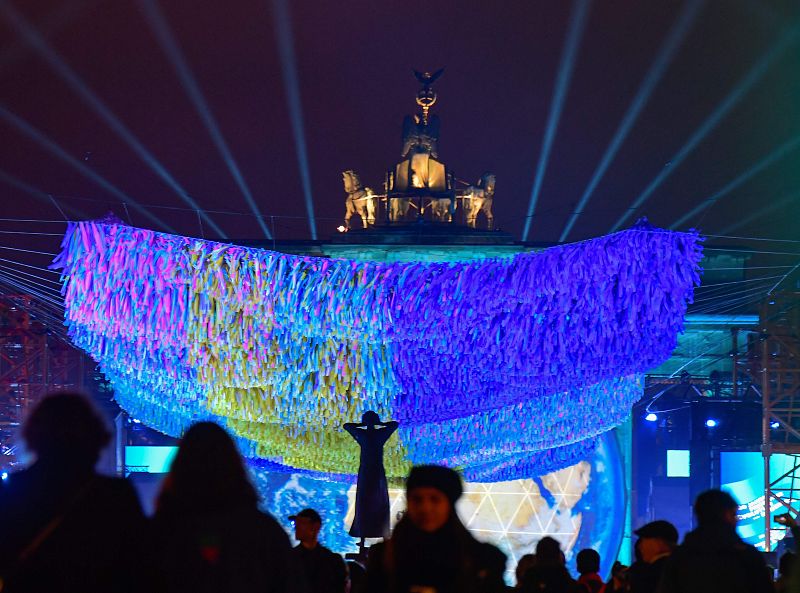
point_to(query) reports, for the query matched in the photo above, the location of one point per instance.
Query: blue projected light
(678, 464)
(651, 417)
(742, 476)
(581, 506)
(148, 459)
(711, 423)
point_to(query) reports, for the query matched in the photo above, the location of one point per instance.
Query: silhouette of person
(210, 534)
(430, 548)
(357, 577)
(713, 558)
(548, 573)
(63, 527)
(324, 570)
(657, 540)
(588, 564)
(372, 493)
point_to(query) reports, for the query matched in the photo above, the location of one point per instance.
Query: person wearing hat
(430, 549)
(657, 540)
(324, 570)
(713, 558)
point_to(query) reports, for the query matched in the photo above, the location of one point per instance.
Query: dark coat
(644, 577)
(233, 550)
(448, 562)
(324, 571)
(714, 559)
(551, 578)
(96, 531)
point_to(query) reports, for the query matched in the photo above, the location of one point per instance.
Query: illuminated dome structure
(504, 368)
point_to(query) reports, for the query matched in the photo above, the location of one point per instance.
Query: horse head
(352, 182)
(487, 182)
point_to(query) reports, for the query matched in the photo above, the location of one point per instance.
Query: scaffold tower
(774, 356)
(34, 360)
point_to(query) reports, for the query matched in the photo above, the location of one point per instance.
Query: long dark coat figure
(372, 493)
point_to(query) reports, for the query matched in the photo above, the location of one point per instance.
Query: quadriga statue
(440, 210)
(360, 200)
(478, 198)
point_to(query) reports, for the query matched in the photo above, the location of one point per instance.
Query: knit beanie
(435, 476)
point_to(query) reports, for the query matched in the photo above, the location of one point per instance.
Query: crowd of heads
(60, 521)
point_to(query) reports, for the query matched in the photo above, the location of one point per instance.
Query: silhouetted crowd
(65, 528)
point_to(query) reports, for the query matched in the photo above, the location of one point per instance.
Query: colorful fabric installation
(504, 368)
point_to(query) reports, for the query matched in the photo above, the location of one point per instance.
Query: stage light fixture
(775, 424)
(711, 423)
(651, 417)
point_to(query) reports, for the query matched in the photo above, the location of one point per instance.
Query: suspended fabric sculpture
(503, 368)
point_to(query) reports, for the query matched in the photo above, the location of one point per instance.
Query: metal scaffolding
(34, 360)
(774, 357)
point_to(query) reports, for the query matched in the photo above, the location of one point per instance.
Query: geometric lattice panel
(514, 515)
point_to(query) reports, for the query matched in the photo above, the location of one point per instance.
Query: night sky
(353, 65)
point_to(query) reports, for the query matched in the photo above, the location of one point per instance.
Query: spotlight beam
(283, 31)
(577, 23)
(754, 170)
(40, 195)
(784, 200)
(59, 18)
(99, 107)
(663, 59)
(753, 76)
(160, 27)
(35, 135)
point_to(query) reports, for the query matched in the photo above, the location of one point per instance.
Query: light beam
(99, 107)
(577, 22)
(753, 76)
(784, 200)
(664, 57)
(754, 170)
(61, 17)
(169, 45)
(283, 31)
(50, 146)
(37, 193)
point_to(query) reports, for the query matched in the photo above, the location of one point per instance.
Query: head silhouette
(207, 473)
(548, 552)
(370, 418)
(715, 507)
(68, 427)
(588, 561)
